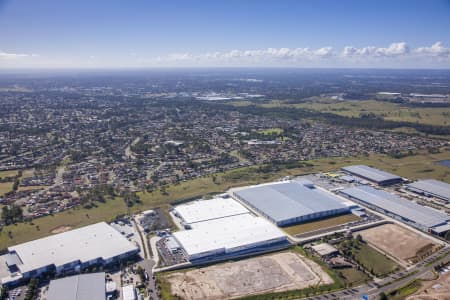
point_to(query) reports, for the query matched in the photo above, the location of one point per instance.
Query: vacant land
(353, 277)
(9, 173)
(61, 229)
(398, 242)
(403, 292)
(320, 224)
(438, 289)
(272, 131)
(374, 261)
(270, 273)
(32, 187)
(356, 108)
(5, 187)
(367, 257)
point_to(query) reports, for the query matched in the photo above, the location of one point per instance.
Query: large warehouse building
(79, 287)
(223, 228)
(431, 187)
(419, 216)
(290, 202)
(232, 236)
(204, 210)
(66, 252)
(377, 176)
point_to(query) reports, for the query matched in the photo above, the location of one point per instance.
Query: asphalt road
(372, 291)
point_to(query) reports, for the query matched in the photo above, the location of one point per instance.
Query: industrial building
(229, 237)
(377, 176)
(78, 287)
(129, 292)
(289, 202)
(204, 210)
(431, 187)
(422, 217)
(325, 250)
(66, 252)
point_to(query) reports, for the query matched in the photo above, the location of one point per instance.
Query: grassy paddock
(5, 187)
(323, 223)
(405, 291)
(374, 261)
(353, 277)
(9, 173)
(354, 108)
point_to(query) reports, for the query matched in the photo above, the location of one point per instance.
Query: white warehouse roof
(289, 201)
(84, 244)
(78, 287)
(227, 235)
(433, 187)
(203, 210)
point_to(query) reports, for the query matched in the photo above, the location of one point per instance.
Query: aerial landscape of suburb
(209, 150)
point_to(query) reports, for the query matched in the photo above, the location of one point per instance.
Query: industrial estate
(296, 237)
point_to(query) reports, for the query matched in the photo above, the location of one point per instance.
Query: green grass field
(354, 108)
(411, 167)
(8, 173)
(74, 218)
(405, 291)
(269, 131)
(5, 187)
(353, 277)
(324, 223)
(374, 261)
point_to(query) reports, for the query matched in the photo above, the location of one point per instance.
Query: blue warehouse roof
(419, 214)
(370, 173)
(433, 187)
(287, 200)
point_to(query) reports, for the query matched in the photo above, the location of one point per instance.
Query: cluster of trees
(96, 193)
(12, 214)
(370, 121)
(32, 291)
(131, 198)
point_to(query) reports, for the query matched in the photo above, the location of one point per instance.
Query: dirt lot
(61, 229)
(397, 242)
(269, 273)
(438, 289)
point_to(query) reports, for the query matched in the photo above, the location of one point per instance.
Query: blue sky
(177, 33)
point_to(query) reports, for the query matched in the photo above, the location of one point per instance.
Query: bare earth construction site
(405, 245)
(270, 273)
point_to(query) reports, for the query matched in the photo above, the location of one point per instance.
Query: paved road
(147, 265)
(373, 291)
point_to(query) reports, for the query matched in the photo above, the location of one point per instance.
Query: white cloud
(394, 50)
(435, 50)
(397, 54)
(9, 56)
